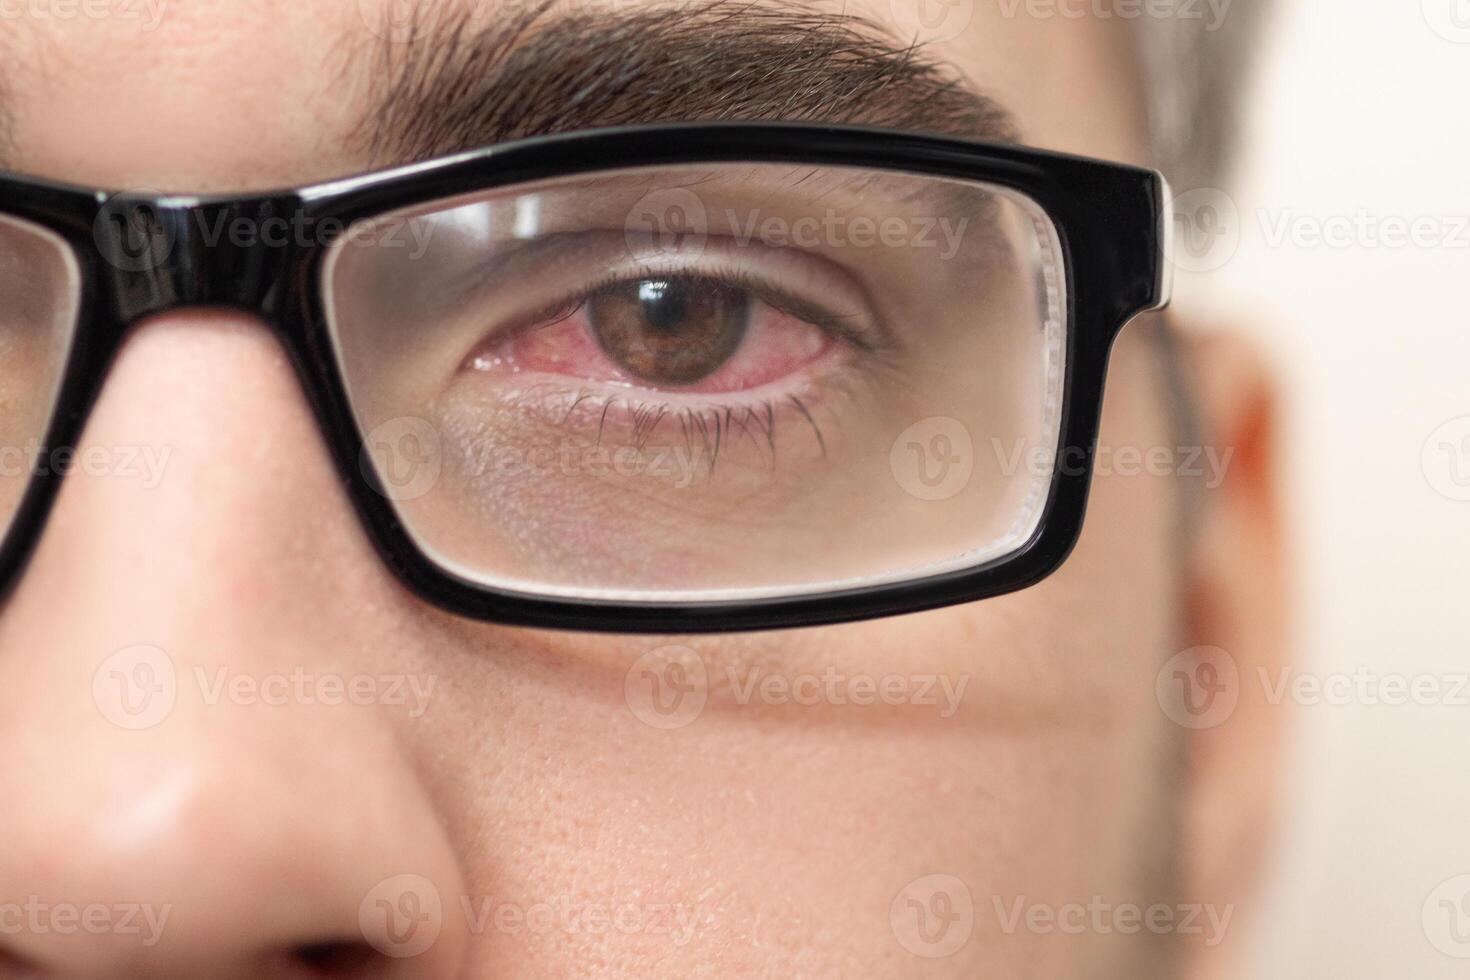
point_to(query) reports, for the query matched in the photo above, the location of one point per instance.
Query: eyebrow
(445, 83)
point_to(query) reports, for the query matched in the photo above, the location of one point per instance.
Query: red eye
(690, 333)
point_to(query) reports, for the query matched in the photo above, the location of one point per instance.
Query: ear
(1236, 585)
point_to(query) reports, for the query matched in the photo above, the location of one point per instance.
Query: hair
(1196, 69)
(539, 68)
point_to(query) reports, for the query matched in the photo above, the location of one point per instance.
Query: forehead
(228, 95)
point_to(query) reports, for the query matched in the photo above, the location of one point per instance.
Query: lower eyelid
(802, 421)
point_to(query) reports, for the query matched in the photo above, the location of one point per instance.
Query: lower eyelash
(820, 406)
(711, 427)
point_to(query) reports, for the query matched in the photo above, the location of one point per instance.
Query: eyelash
(709, 427)
(709, 424)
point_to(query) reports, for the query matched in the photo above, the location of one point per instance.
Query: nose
(207, 703)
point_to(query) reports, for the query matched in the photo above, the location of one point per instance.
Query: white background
(1362, 107)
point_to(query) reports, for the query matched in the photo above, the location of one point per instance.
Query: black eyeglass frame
(1113, 223)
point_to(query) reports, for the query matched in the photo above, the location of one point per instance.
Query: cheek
(786, 819)
(1025, 758)
(1132, 527)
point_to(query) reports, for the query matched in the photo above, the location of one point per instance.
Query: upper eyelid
(774, 296)
(872, 334)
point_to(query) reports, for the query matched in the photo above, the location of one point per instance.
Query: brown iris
(672, 331)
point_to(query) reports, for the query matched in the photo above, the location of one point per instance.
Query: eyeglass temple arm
(1164, 284)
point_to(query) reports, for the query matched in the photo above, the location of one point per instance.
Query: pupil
(664, 305)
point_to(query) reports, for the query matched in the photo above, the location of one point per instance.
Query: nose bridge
(163, 253)
(253, 825)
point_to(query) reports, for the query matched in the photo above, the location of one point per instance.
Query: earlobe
(1237, 580)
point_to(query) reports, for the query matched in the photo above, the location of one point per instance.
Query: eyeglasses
(686, 378)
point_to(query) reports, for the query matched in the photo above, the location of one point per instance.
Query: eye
(697, 333)
(674, 331)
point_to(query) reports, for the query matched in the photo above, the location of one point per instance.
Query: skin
(782, 833)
